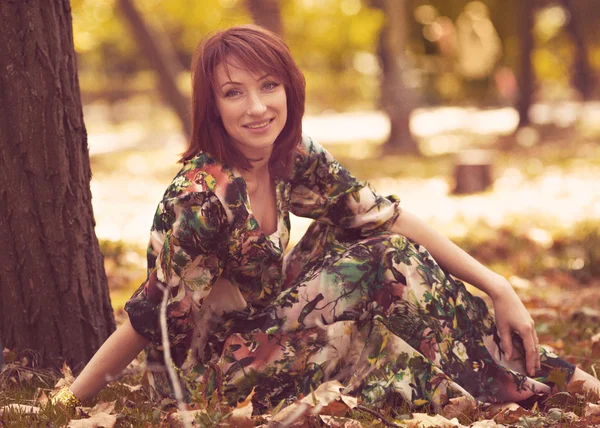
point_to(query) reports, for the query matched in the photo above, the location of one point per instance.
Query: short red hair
(261, 51)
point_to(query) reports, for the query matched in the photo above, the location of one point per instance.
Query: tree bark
(526, 78)
(397, 100)
(53, 289)
(267, 14)
(163, 61)
(582, 79)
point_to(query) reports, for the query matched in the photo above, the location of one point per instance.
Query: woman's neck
(257, 175)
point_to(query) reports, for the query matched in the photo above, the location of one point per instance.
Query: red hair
(258, 50)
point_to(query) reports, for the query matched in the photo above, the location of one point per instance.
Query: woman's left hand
(512, 316)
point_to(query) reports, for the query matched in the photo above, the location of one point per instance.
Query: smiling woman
(362, 298)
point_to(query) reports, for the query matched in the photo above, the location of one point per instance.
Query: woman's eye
(269, 86)
(232, 93)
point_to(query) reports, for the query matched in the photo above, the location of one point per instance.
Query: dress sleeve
(324, 190)
(190, 255)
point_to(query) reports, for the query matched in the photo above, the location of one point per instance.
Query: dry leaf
(488, 423)
(131, 388)
(349, 401)
(591, 409)
(20, 408)
(291, 413)
(499, 408)
(511, 416)
(40, 397)
(337, 422)
(576, 387)
(335, 408)
(102, 407)
(241, 416)
(9, 356)
(67, 373)
(324, 394)
(458, 407)
(319, 401)
(98, 420)
(66, 380)
(424, 420)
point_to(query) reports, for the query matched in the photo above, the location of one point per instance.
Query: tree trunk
(267, 14)
(53, 290)
(526, 78)
(397, 100)
(163, 61)
(582, 74)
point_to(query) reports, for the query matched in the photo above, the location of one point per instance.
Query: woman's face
(253, 107)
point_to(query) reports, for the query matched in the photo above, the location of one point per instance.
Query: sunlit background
(458, 75)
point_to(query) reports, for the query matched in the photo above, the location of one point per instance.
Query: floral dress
(352, 301)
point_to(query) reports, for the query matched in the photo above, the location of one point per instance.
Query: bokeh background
(483, 116)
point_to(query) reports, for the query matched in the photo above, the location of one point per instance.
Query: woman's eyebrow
(232, 82)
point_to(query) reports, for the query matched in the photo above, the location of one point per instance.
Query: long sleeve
(187, 254)
(325, 191)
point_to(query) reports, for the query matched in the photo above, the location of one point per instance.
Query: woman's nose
(256, 105)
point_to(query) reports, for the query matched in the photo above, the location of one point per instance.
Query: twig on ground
(377, 415)
(169, 360)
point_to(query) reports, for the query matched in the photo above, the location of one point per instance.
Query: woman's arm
(511, 314)
(113, 356)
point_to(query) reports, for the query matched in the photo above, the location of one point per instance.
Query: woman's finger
(531, 352)
(537, 347)
(506, 342)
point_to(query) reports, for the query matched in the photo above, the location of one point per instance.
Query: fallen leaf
(460, 406)
(349, 401)
(591, 409)
(40, 397)
(424, 420)
(576, 387)
(487, 423)
(494, 409)
(511, 416)
(175, 419)
(102, 407)
(558, 377)
(335, 408)
(241, 416)
(561, 399)
(8, 355)
(66, 380)
(67, 373)
(338, 422)
(131, 388)
(98, 420)
(324, 394)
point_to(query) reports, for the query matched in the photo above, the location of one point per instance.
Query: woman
(359, 299)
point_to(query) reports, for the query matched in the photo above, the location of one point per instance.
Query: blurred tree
(162, 59)
(525, 75)
(53, 289)
(582, 76)
(396, 99)
(267, 13)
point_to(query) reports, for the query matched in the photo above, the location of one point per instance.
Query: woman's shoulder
(308, 146)
(200, 174)
(309, 156)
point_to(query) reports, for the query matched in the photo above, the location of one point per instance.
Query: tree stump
(472, 172)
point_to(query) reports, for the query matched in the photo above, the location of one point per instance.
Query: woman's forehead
(232, 66)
